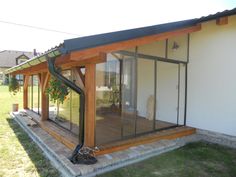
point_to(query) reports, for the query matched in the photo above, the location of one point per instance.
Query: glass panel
(145, 95)
(129, 95)
(177, 48)
(40, 96)
(75, 112)
(166, 94)
(35, 93)
(64, 116)
(182, 68)
(30, 93)
(53, 110)
(108, 119)
(75, 105)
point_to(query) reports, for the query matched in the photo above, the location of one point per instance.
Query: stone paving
(58, 153)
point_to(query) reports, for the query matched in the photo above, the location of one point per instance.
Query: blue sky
(86, 17)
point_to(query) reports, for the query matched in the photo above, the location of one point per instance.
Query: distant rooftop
(8, 57)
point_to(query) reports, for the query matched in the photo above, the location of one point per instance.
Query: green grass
(19, 156)
(193, 160)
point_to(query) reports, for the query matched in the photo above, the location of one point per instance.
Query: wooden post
(44, 97)
(90, 106)
(25, 92)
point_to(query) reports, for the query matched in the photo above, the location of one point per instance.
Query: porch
(106, 131)
(131, 94)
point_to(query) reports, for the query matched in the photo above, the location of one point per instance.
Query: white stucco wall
(212, 78)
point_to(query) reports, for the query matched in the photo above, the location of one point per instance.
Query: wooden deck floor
(71, 140)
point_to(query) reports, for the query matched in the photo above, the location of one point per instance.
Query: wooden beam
(44, 97)
(83, 54)
(222, 21)
(78, 79)
(25, 92)
(64, 62)
(90, 106)
(82, 76)
(169, 134)
(26, 81)
(45, 82)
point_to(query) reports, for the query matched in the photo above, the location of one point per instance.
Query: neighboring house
(140, 81)
(10, 58)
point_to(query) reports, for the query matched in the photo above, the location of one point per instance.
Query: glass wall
(108, 99)
(30, 88)
(67, 114)
(34, 95)
(140, 90)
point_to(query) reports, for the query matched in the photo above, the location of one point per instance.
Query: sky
(67, 19)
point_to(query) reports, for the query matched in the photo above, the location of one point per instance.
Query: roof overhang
(91, 47)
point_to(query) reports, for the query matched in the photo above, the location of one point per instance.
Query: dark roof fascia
(217, 15)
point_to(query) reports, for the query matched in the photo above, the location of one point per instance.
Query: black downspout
(70, 84)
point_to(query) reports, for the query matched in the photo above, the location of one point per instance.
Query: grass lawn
(19, 156)
(193, 160)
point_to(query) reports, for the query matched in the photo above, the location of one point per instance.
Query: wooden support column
(90, 84)
(25, 92)
(44, 98)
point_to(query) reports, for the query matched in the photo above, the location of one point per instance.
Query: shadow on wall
(43, 166)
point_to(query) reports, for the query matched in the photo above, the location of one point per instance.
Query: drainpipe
(70, 84)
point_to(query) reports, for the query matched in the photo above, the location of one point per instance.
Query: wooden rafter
(222, 21)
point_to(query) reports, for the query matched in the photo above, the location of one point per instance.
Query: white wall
(212, 78)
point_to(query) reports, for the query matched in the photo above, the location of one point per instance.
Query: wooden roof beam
(64, 62)
(222, 21)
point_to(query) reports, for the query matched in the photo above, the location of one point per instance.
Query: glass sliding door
(137, 93)
(30, 92)
(34, 94)
(166, 94)
(129, 95)
(145, 95)
(108, 100)
(36, 100)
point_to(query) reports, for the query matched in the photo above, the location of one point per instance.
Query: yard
(19, 156)
(194, 160)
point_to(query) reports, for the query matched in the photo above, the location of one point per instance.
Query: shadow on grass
(44, 168)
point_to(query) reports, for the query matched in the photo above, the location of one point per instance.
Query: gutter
(79, 155)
